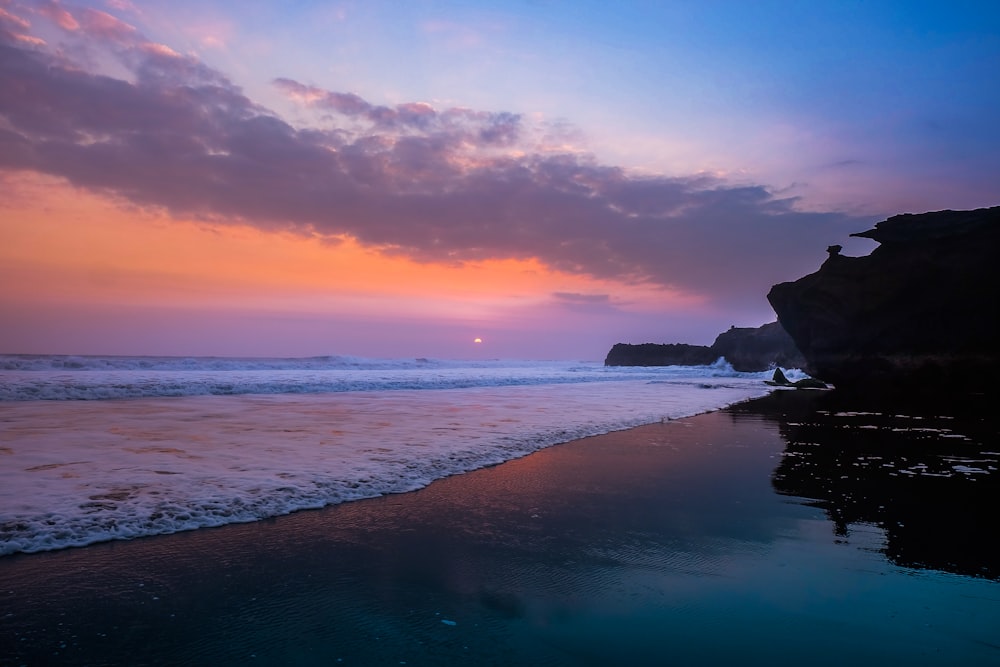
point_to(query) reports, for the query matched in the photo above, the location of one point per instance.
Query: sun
(477, 340)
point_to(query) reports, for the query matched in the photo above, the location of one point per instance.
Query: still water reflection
(664, 545)
(928, 478)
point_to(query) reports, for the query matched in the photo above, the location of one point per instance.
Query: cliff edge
(918, 314)
(745, 348)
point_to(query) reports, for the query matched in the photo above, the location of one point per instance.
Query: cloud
(12, 22)
(58, 15)
(454, 124)
(122, 6)
(847, 164)
(434, 184)
(575, 297)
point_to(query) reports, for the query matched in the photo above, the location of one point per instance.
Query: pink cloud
(58, 15)
(433, 184)
(122, 6)
(101, 25)
(13, 21)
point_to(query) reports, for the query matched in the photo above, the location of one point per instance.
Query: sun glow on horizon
(84, 246)
(82, 253)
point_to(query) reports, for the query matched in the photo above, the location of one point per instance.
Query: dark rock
(809, 383)
(747, 349)
(779, 380)
(758, 349)
(653, 354)
(920, 314)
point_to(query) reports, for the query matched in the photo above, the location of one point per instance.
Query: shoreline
(782, 403)
(114, 470)
(416, 535)
(629, 547)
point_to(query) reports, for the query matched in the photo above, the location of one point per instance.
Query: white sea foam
(62, 362)
(27, 378)
(78, 472)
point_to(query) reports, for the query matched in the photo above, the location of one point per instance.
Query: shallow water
(77, 472)
(679, 543)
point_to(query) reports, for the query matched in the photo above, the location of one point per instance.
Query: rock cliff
(656, 354)
(747, 349)
(758, 349)
(919, 314)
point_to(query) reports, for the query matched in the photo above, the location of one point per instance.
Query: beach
(499, 334)
(684, 542)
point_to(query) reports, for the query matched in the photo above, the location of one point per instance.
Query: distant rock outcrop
(746, 348)
(758, 349)
(655, 354)
(921, 313)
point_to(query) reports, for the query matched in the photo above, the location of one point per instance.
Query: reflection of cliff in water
(930, 478)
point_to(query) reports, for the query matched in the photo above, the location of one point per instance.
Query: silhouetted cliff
(919, 314)
(758, 349)
(746, 348)
(656, 354)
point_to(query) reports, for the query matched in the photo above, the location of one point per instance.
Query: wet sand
(764, 534)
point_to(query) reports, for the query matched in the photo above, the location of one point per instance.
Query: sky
(400, 179)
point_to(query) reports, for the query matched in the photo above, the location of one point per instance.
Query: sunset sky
(397, 179)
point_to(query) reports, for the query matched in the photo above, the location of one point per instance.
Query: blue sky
(844, 103)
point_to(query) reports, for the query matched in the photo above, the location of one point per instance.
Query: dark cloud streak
(435, 185)
(453, 125)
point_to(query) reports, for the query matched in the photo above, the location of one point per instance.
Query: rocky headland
(748, 349)
(919, 315)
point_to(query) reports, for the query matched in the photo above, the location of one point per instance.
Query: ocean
(94, 449)
(801, 528)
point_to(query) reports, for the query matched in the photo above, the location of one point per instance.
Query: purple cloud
(432, 184)
(576, 297)
(455, 124)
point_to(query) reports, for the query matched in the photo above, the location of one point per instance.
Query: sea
(100, 448)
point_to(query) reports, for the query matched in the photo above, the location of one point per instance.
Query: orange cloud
(425, 184)
(63, 245)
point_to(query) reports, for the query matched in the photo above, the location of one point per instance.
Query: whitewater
(103, 448)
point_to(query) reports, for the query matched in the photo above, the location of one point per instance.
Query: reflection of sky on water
(663, 545)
